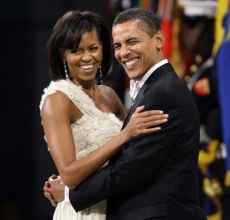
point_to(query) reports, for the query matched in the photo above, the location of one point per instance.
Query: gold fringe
(208, 157)
(227, 179)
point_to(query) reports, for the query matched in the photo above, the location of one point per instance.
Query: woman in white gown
(82, 120)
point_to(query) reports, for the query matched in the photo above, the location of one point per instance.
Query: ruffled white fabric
(91, 131)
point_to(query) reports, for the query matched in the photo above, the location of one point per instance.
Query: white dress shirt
(136, 84)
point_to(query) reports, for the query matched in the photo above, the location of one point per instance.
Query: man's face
(134, 49)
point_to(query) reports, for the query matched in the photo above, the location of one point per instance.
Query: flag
(165, 11)
(223, 74)
(219, 29)
(147, 4)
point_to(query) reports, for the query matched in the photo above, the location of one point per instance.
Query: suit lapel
(134, 105)
(149, 82)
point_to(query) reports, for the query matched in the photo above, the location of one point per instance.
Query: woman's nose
(86, 56)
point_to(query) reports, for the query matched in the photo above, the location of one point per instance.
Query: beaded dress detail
(92, 130)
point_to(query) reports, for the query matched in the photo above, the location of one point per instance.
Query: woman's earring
(101, 76)
(66, 73)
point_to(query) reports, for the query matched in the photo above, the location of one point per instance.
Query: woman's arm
(57, 117)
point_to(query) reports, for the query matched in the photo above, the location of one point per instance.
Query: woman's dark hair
(67, 34)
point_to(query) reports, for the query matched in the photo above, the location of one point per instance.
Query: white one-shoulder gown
(91, 131)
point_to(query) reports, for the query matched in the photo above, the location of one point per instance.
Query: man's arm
(141, 121)
(141, 158)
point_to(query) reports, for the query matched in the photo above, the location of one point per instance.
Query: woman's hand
(143, 122)
(54, 190)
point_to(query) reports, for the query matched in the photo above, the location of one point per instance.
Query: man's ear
(160, 37)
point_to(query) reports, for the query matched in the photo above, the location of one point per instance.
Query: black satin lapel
(164, 69)
(149, 82)
(135, 104)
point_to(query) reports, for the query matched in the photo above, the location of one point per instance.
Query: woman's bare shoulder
(54, 101)
(107, 91)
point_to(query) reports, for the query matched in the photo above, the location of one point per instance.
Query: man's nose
(124, 51)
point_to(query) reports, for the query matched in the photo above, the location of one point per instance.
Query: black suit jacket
(154, 176)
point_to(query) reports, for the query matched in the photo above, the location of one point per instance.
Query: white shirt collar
(143, 79)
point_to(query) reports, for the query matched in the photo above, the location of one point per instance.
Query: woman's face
(84, 62)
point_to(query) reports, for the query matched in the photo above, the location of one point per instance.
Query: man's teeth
(85, 67)
(131, 62)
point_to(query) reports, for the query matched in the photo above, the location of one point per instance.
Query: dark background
(25, 163)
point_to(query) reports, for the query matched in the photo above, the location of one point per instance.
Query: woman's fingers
(154, 118)
(53, 203)
(150, 113)
(147, 122)
(149, 130)
(154, 123)
(139, 109)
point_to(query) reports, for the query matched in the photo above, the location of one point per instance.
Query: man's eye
(133, 42)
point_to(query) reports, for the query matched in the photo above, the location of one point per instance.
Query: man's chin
(133, 75)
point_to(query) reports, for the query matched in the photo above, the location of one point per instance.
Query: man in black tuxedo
(154, 176)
